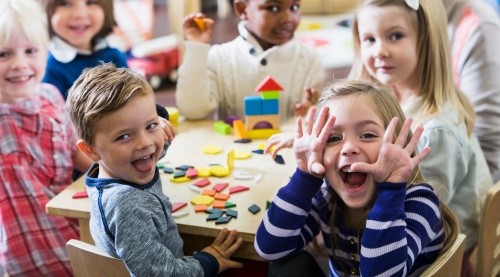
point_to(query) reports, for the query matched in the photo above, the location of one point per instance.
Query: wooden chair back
(488, 249)
(87, 261)
(448, 263)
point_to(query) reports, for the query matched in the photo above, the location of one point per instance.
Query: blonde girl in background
(404, 46)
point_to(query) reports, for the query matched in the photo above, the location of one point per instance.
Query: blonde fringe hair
(99, 91)
(386, 107)
(26, 16)
(434, 67)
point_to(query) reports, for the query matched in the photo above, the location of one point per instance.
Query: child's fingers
(421, 155)
(233, 264)
(403, 133)
(389, 132)
(412, 145)
(221, 237)
(299, 128)
(310, 120)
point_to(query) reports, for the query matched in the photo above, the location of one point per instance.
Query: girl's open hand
(224, 245)
(394, 163)
(198, 28)
(279, 141)
(311, 140)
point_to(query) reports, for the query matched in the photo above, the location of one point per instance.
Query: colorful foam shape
(168, 170)
(220, 204)
(242, 155)
(209, 192)
(180, 173)
(184, 167)
(200, 208)
(192, 173)
(254, 209)
(223, 220)
(221, 196)
(211, 149)
(213, 217)
(179, 179)
(230, 159)
(220, 187)
(230, 119)
(214, 211)
(203, 171)
(279, 159)
(219, 171)
(180, 214)
(232, 213)
(200, 22)
(80, 194)
(243, 140)
(237, 189)
(202, 183)
(178, 205)
(202, 200)
(173, 115)
(229, 205)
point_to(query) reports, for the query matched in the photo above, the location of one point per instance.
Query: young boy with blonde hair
(114, 114)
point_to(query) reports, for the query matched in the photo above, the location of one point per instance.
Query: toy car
(156, 59)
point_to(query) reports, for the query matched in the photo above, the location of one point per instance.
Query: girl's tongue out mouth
(353, 179)
(144, 164)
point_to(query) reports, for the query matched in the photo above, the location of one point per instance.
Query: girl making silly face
(78, 21)
(357, 148)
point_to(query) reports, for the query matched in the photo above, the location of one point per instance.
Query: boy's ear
(240, 8)
(88, 150)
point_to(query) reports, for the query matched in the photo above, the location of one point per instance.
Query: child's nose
(20, 61)
(349, 148)
(381, 50)
(144, 142)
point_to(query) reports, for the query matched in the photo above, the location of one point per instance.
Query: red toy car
(156, 60)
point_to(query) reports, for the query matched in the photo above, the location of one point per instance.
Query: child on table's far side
(410, 54)
(78, 29)
(130, 215)
(217, 78)
(37, 148)
(358, 184)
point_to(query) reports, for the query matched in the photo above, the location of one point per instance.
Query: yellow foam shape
(179, 179)
(200, 22)
(230, 159)
(202, 200)
(261, 146)
(241, 155)
(211, 149)
(203, 172)
(262, 133)
(219, 171)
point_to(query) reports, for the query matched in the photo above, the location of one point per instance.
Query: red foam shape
(220, 187)
(80, 194)
(178, 205)
(238, 189)
(202, 183)
(268, 84)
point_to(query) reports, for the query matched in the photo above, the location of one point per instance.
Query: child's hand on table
(279, 141)
(224, 245)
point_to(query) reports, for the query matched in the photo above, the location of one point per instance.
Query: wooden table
(186, 150)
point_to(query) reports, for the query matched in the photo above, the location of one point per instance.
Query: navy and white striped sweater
(403, 235)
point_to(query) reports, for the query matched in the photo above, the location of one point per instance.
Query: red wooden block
(220, 187)
(178, 205)
(238, 189)
(80, 194)
(202, 183)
